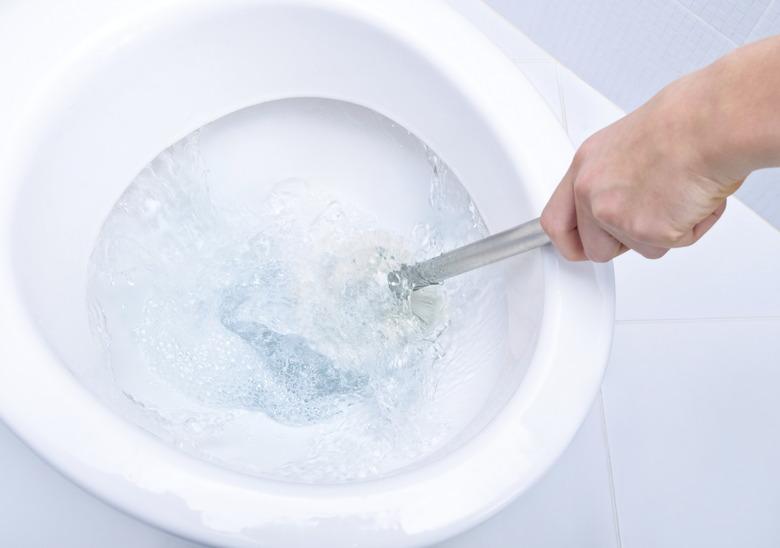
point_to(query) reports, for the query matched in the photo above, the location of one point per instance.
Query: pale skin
(659, 178)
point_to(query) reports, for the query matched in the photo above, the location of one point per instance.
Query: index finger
(559, 220)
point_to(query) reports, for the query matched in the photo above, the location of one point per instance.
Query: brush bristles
(427, 304)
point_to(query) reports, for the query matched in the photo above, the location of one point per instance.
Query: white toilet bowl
(138, 86)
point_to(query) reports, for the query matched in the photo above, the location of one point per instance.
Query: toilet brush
(409, 280)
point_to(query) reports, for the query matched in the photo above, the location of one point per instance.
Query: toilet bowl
(137, 86)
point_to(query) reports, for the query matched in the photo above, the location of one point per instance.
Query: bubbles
(275, 313)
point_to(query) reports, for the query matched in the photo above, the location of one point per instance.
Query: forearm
(731, 110)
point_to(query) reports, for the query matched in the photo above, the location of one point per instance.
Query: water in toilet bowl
(261, 333)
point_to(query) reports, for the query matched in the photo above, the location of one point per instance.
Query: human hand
(659, 177)
(641, 183)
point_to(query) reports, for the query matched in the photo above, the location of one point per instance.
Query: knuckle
(672, 237)
(657, 233)
(675, 235)
(583, 186)
(642, 231)
(683, 239)
(607, 209)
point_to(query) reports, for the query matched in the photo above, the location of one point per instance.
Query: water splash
(282, 309)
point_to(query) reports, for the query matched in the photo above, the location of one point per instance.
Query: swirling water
(277, 318)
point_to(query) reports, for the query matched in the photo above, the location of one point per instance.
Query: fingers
(600, 246)
(575, 234)
(578, 235)
(646, 250)
(702, 227)
(559, 220)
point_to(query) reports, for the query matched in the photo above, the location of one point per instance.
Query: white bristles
(427, 304)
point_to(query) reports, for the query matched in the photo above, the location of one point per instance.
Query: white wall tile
(769, 24)
(588, 110)
(733, 18)
(569, 507)
(693, 424)
(40, 508)
(627, 49)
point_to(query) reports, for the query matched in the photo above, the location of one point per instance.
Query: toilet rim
(43, 403)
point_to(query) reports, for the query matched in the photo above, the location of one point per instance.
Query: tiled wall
(628, 49)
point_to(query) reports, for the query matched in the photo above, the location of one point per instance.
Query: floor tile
(569, 507)
(732, 272)
(693, 423)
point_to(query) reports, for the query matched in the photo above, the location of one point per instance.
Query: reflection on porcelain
(139, 86)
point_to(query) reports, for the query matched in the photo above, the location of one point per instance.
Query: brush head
(427, 304)
(406, 280)
(399, 283)
(425, 300)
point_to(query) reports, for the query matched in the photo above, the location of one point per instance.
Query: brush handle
(513, 241)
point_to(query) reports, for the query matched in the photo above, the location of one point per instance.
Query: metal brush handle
(513, 241)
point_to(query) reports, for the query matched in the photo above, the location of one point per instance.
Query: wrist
(686, 120)
(733, 111)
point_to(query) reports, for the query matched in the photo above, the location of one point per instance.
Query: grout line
(610, 472)
(534, 60)
(758, 21)
(706, 23)
(699, 319)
